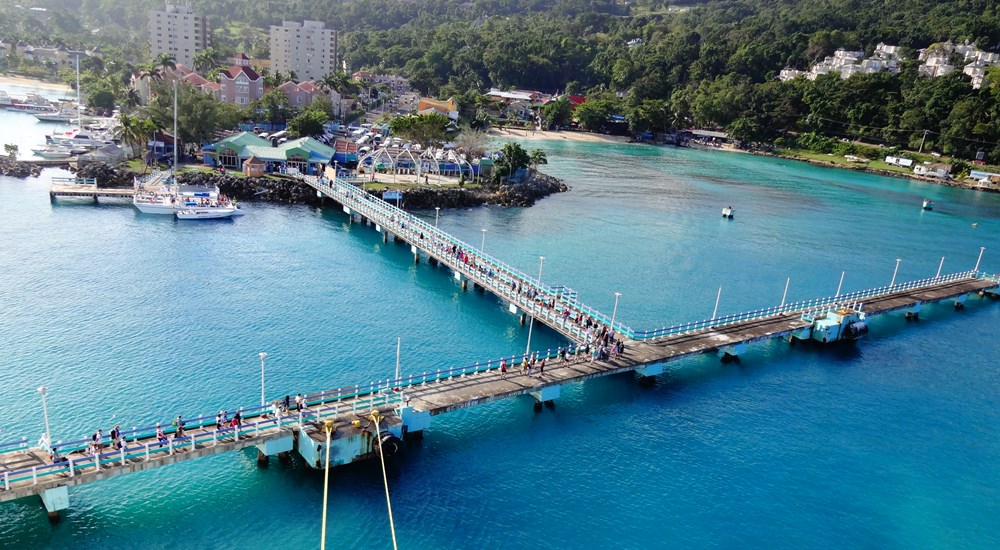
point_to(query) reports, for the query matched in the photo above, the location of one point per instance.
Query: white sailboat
(161, 194)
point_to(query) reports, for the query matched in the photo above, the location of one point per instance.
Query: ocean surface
(893, 442)
(23, 129)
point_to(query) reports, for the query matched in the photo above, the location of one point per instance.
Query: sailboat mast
(79, 106)
(175, 131)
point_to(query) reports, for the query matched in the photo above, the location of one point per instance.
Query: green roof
(250, 145)
(238, 141)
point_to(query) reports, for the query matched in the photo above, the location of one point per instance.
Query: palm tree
(537, 158)
(206, 59)
(163, 62)
(136, 131)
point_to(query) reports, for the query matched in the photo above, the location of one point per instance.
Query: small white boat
(209, 213)
(57, 116)
(53, 153)
(928, 204)
(728, 212)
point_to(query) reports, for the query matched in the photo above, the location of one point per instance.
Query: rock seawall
(18, 169)
(287, 190)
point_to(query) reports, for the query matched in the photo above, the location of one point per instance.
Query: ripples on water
(893, 442)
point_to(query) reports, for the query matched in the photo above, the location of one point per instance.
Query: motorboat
(33, 103)
(928, 204)
(53, 152)
(209, 213)
(78, 139)
(728, 212)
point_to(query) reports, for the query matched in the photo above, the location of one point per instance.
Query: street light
(894, 271)
(45, 413)
(531, 324)
(328, 428)
(614, 312)
(482, 246)
(263, 355)
(437, 212)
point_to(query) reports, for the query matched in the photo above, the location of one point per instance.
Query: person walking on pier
(160, 436)
(286, 404)
(115, 434)
(503, 369)
(541, 367)
(218, 421)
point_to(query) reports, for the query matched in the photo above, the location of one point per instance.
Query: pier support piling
(545, 396)
(55, 500)
(524, 318)
(262, 459)
(729, 354)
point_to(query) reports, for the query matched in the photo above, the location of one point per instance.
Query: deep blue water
(893, 442)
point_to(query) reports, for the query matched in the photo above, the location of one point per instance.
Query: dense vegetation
(712, 64)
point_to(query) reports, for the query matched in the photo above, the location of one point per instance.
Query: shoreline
(961, 184)
(26, 82)
(532, 135)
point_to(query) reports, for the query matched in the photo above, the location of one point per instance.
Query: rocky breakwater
(18, 169)
(523, 193)
(285, 190)
(107, 175)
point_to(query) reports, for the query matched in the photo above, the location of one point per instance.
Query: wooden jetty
(85, 188)
(405, 406)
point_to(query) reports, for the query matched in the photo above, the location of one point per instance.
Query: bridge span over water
(407, 405)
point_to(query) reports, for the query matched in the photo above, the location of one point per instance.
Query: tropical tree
(273, 106)
(536, 159)
(511, 158)
(163, 62)
(472, 144)
(557, 113)
(207, 59)
(11, 150)
(427, 129)
(308, 123)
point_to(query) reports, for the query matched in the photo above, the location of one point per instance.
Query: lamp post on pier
(262, 355)
(531, 324)
(894, 271)
(482, 246)
(328, 428)
(614, 312)
(981, 250)
(437, 213)
(45, 412)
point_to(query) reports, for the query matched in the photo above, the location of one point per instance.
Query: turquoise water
(23, 129)
(891, 443)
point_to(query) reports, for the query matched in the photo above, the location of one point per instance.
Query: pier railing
(856, 298)
(485, 269)
(498, 276)
(141, 443)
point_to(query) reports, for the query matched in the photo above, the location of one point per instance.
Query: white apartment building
(308, 48)
(179, 32)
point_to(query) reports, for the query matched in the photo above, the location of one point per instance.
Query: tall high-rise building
(179, 32)
(307, 48)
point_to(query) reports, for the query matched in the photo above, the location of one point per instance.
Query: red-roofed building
(240, 84)
(575, 100)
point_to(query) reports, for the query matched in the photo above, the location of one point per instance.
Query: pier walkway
(407, 404)
(85, 188)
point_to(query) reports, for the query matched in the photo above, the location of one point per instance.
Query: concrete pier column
(55, 500)
(960, 301)
(432, 260)
(262, 459)
(545, 396)
(913, 313)
(524, 318)
(465, 284)
(416, 253)
(648, 373)
(274, 447)
(731, 353)
(414, 422)
(385, 236)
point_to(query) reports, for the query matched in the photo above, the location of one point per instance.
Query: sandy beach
(13, 80)
(520, 135)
